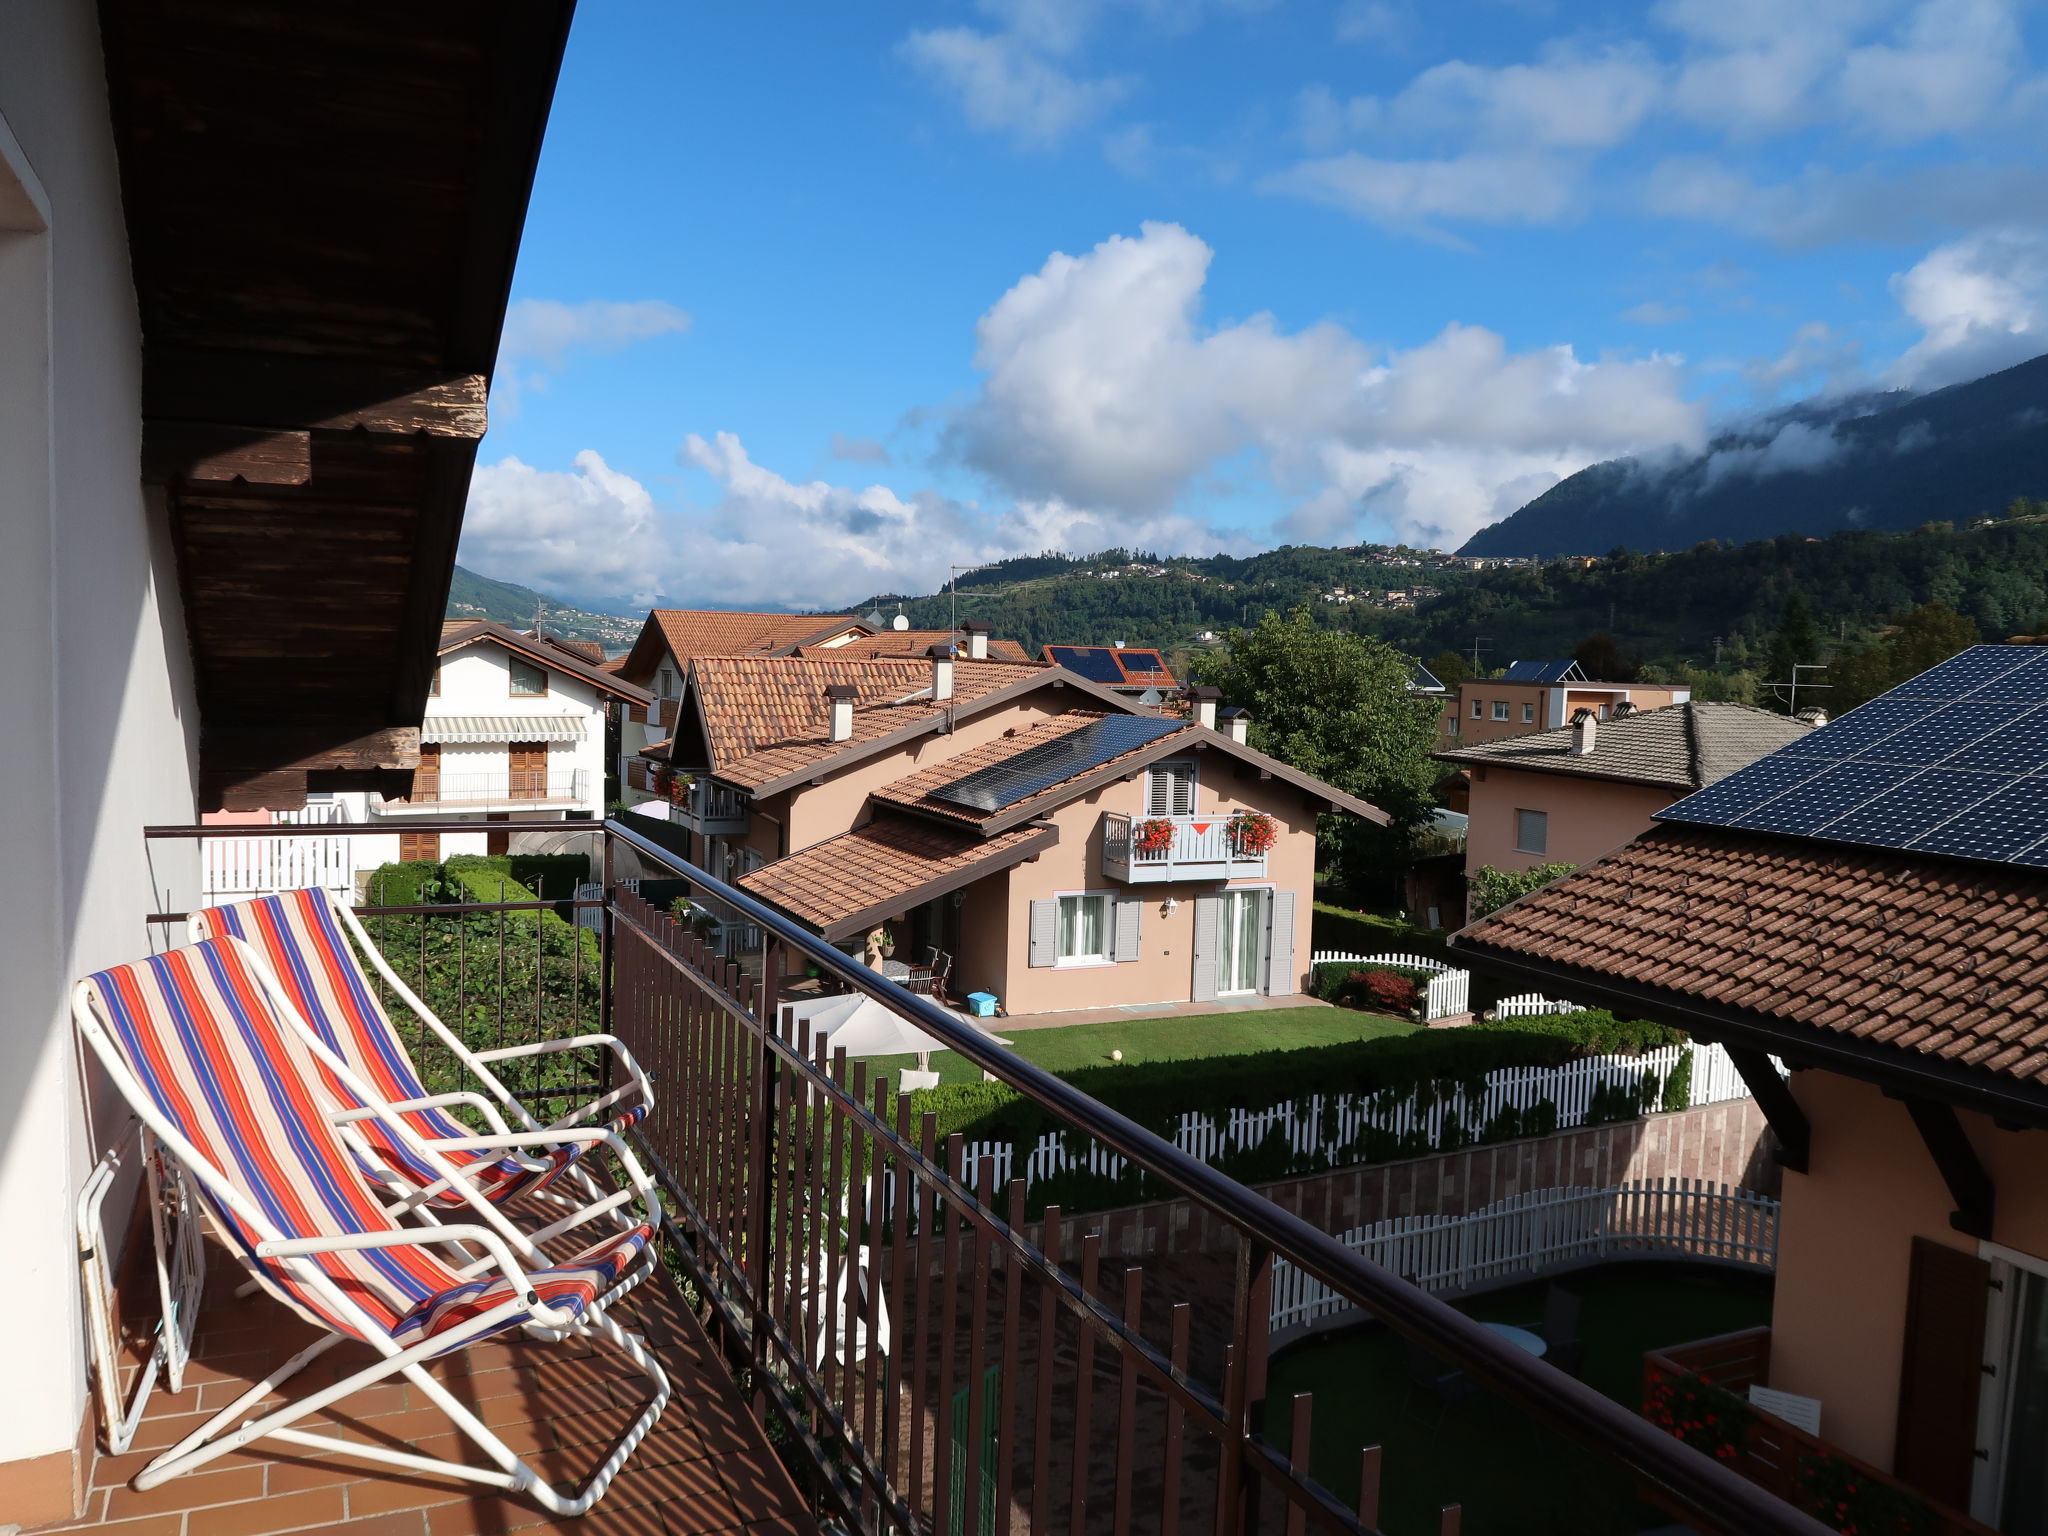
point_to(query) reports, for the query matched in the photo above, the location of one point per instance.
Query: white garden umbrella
(860, 1026)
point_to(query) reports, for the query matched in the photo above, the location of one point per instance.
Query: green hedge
(1361, 933)
(1428, 1067)
(1328, 979)
(527, 876)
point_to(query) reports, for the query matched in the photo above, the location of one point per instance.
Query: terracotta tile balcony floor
(706, 1470)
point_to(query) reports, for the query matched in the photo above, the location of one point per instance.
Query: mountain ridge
(1883, 462)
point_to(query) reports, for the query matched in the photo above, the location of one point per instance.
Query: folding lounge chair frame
(221, 921)
(284, 1266)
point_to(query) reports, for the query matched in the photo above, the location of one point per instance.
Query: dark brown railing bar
(1692, 1480)
(185, 830)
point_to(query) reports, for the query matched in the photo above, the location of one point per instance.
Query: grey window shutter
(1208, 912)
(1130, 918)
(1280, 975)
(1045, 932)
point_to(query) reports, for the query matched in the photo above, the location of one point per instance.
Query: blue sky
(817, 299)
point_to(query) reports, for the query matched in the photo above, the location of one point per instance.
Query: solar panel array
(1097, 663)
(1056, 761)
(1953, 762)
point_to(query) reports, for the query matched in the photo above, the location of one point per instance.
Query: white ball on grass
(1116, 1055)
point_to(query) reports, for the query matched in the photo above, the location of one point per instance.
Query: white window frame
(1065, 962)
(1500, 709)
(1521, 846)
(1528, 714)
(512, 689)
(1479, 709)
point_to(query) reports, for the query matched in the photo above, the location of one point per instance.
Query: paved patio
(1154, 1011)
(706, 1470)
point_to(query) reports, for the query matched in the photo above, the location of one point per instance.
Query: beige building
(1568, 796)
(1017, 828)
(1541, 696)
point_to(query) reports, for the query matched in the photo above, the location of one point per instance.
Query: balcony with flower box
(705, 807)
(1145, 850)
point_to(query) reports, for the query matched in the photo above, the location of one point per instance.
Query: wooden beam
(303, 748)
(252, 792)
(174, 451)
(272, 389)
(1969, 1184)
(1791, 1131)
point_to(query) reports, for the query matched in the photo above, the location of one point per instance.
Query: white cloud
(1567, 99)
(1654, 312)
(587, 532)
(1946, 70)
(1415, 195)
(858, 450)
(1981, 304)
(1821, 206)
(1004, 84)
(1371, 21)
(1794, 447)
(1104, 391)
(547, 330)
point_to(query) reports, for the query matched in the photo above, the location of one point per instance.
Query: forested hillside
(471, 596)
(1878, 462)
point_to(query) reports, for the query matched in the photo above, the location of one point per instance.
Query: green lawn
(1166, 1038)
(1513, 1477)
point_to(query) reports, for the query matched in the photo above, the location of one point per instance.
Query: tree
(1602, 660)
(1449, 668)
(1338, 706)
(1795, 643)
(1923, 638)
(1493, 888)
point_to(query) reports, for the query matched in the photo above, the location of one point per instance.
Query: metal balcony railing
(928, 1363)
(434, 790)
(1142, 849)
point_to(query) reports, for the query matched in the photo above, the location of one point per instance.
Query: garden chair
(1444, 1390)
(304, 937)
(197, 1042)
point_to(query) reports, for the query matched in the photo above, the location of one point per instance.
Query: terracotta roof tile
(890, 858)
(915, 792)
(1941, 959)
(1681, 746)
(766, 715)
(913, 644)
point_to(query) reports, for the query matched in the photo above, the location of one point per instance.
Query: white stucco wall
(101, 732)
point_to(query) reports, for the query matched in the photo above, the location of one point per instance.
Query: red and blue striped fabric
(246, 1091)
(310, 953)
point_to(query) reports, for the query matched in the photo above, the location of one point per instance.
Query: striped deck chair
(197, 1042)
(305, 939)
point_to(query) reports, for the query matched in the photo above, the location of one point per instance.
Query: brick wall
(1724, 1143)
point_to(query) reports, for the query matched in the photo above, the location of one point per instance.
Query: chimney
(1237, 723)
(1204, 700)
(1813, 717)
(977, 640)
(1585, 730)
(839, 701)
(1623, 710)
(942, 672)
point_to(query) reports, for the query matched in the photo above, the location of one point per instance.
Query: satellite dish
(900, 622)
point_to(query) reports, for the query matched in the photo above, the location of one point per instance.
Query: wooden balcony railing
(927, 1368)
(1698, 1392)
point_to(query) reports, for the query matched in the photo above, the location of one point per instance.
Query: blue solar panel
(1954, 761)
(1541, 671)
(1097, 663)
(1056, 761)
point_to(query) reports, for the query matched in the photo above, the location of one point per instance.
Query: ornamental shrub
(1428, 1067)
(1383, 990)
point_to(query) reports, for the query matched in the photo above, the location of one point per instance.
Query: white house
(515, 728)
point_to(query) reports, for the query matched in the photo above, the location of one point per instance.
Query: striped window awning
(483, 728)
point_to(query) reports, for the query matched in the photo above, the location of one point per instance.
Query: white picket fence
(1546, 1229)
(258, 866)
(1322, 1130)
(1449, 991)
(1530, 1005)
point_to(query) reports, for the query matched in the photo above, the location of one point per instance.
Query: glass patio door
(1240, 941)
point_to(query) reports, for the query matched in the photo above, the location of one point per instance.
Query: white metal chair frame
(180, 1282)
(216, 1437)
(569, 1128)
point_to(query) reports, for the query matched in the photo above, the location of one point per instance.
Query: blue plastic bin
(982, 1004)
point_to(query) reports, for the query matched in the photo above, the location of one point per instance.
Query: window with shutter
(1170, 789)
